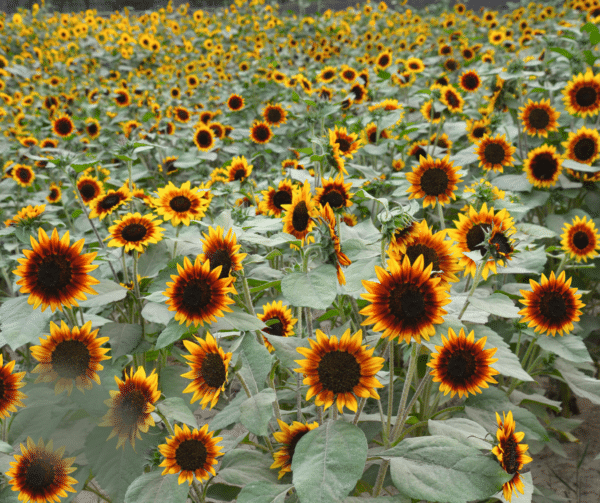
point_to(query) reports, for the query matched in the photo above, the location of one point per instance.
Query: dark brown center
(191, 455)
(552, 306)
(134, 232)
(300, 217)
(70, 359)
(339, 372)
(54, 273)
(213, 370)
(406, 302)
(434, 182)
(586, 96)
(581, 240)
(544, 166)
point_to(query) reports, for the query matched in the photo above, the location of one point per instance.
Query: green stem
(388, 424)
(361, 406)
(175, 245)
(561, 265)
(380, 477)
(440, 212)
(299, 399)
(478, 274)
(88, 487)
(125, 274)
(402, 409)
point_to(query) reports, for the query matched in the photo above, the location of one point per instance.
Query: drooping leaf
(174, 408)
(108, 292)
(438, 468)
(316, 288)
(172, 332)
(124, 337)
(263, 492)
(581, 384)
(21, 324)
(153, 487)
(569, 346)
(257, 410)
(240, 467)
(462, 429)
(328, 461)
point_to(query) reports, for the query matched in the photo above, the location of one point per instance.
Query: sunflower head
(289, 436)
(580, 239)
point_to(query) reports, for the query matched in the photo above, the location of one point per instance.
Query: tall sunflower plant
(296, 258)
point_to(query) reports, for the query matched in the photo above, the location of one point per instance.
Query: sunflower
(130, 407)
(204, 138)
(90, 188)
(344, 144)
(495, 153)
(543, 166)
(197, 295)
(274, 199)
(70, 355)
(406, 302)
(106, 203)
(451, 65)
(299, 214)
(582, 94)
(580, 239)
(63, 126)
(180, 205)
(510, 453)
(282, 318)
(470, 235)
(414, 65)
(335, 193)
(182, 114)
(402, 235)
(538, 117)
(289, 436)
(235, 103)
(476, 129)
(92, 128)
(583, 146)
(435, 250)
(384, 60)
(40, 474)
(369, 134)
(239, 169)
(336, 371)
(274, 115)
(209, 365)
(260, 132)
(552, 306)
(190, 453)
(23, 175)
(339, 259)
(469, 81)
(54, 273)
(434, 180)
(27, 214)
(327, 74)
(348, 74)
(10, 396)
(222, 251)
(461, 365)
(135, 231)
(122, 98)
(453, 101)
(429, 113)
(168, 165)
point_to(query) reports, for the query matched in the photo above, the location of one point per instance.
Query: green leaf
(153, 487)
(593, 31)
(310, 103)
(497, 304)
(519, 397)
(316, 288)
(175, 408)
(6, 448)
(577, 166)
(328, 461)
(570, 347)
(222, 492)
(590, 59)
(295, 97)
(20, 324)
(383, 75)
(80, 167)
(76, 213)
(462, 429)
(561, 51)
(173, 332)
(269, 284)
(286, 349)
(229, 415)
(147, 116)
(153, 260)
(305, 150)
(581, 384)
(240, 467)
(256, 363)
(107, 292)
(439, 468)
(263, 492)
(482, 408)
(257, 411)
(537, 231)
(237, 320)
(157, 313)
(114, 469)
(538, 90)
(390, 119)
(124, 338)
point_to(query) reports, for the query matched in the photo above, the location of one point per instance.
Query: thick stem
(299, 399)
(388, 424)
(476, 281)
(440, 212)
(402, 409)
(361, 406)
(175, 245)
(380, 477)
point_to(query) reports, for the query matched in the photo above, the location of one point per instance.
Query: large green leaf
(240, 467)
(153, 487)
(153, 260)
(482, 408)
(462, 429)
(256, 362)
(316, 288)
(497, 304)
(229, 415)
(439, 468)
(570, 347)
(114, 469)
(175, 408)
(157, 313)
(328, 461)
(20, 324)
(286, 349)
(263, 492)
(257, 410)
(107, 292)
(237, 320)
(172, 332)
(581, 384)
(123, 337)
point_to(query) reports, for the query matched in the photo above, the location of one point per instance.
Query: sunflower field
(334, 258)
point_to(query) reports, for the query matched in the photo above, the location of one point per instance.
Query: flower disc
(434, 180)
(135, 231)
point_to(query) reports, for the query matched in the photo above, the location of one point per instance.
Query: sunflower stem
(380, 477)
(244, 385)
(299, 402)
(83, 207)
(355, 311)
(388, 424)
(70, 316)
(426, 381)
(561, 265)
(7, 281)
(125, 275)
(334, 413)
(402, 407)
(476, 281)
(319, 415)
(309, 324)
(361, 406)
(88, 487)
(199, 494)
(440, 212)
(175, 245)
(81, 316)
